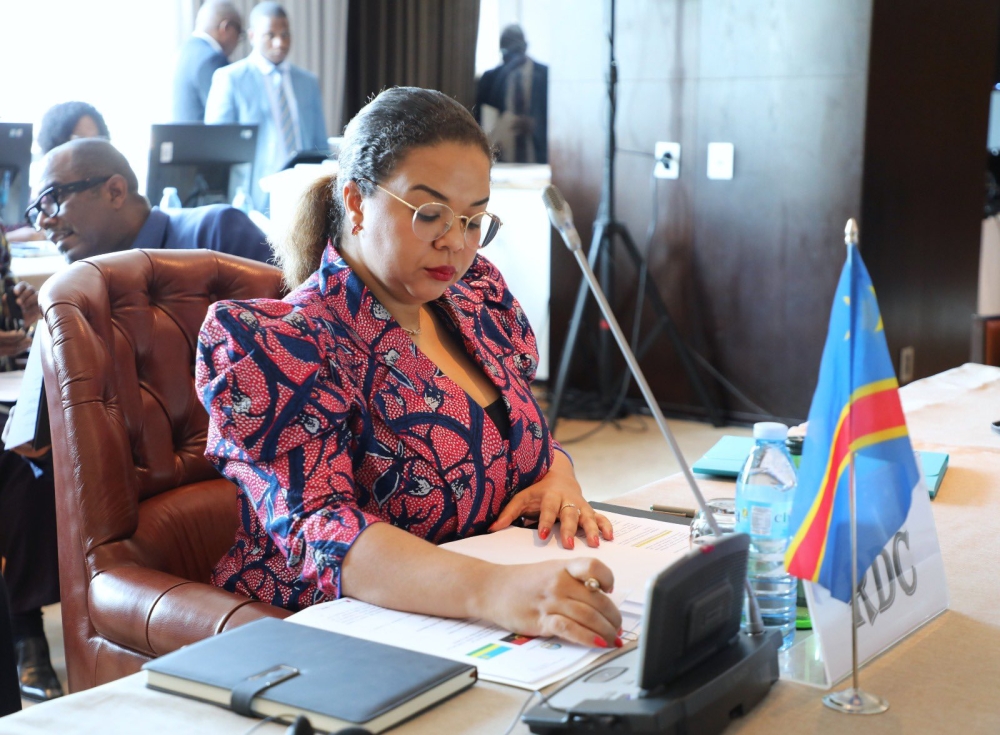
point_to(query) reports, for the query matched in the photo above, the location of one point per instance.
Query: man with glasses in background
(88, 204)
(218, 29)
(265, 90)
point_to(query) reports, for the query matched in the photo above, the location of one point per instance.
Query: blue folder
(730, 453)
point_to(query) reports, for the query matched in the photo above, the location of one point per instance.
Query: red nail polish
(569, 544)
(618, 643)
(600, 642)
(543, 533)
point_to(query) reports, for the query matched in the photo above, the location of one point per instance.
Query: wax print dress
(329, 419)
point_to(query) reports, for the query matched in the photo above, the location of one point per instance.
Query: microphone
(562, 219)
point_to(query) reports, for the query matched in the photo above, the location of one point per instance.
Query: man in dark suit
(512, 102)
(217, 31)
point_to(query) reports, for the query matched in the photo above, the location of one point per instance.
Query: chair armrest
(154, 613)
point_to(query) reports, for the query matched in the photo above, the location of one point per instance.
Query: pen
(672, 510)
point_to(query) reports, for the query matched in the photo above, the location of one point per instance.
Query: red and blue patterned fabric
(329, 419)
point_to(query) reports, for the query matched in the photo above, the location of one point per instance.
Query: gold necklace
(412, 332)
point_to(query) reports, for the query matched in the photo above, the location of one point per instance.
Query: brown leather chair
(142, 515)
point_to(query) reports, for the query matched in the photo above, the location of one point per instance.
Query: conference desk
(943, 678)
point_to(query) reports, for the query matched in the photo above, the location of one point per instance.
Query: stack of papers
(642, 548)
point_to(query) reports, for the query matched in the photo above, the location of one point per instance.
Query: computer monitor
(207, 164)
(15, 162)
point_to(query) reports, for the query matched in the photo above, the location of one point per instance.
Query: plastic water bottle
(764, 494)
(170, 200)
(242, 201)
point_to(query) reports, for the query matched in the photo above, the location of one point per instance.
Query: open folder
(727, 457)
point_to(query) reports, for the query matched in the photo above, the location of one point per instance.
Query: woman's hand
(553, 599)
(557, 496)
(390, 567)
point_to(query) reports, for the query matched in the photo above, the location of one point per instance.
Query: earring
(356, 229)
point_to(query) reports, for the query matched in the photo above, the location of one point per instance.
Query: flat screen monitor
(15, 162)
(207, 164)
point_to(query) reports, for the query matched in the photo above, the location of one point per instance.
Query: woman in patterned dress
(384, 405)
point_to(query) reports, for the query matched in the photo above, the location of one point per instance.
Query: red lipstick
(442, 273)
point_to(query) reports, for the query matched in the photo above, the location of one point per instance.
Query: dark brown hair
(375, 141)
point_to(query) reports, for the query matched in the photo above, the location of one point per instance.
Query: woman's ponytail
(317, 218)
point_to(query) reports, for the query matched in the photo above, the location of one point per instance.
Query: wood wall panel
(748, 267)
(930, 78)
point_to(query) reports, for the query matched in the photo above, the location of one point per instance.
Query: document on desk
(498, 654)
(641, 548)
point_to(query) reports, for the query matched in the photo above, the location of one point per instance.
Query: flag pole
(854, 700)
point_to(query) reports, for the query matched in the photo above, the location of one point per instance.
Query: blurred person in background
(512, 102)
(68, 121)
(265, 90)
(218, 29)
(60, 124)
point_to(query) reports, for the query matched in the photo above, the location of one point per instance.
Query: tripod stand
(608, 231)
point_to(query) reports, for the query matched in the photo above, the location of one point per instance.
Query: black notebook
(334, 680)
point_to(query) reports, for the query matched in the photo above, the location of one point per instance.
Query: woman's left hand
(557, 496)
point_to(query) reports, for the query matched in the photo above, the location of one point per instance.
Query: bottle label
(762, 519)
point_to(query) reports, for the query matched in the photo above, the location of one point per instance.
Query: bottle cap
(770, 431)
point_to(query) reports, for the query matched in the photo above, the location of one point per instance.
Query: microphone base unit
(705, 700)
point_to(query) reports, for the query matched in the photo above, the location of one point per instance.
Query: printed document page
(499, 655)
(641, 548)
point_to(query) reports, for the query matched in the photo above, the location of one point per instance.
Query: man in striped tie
(282, 99)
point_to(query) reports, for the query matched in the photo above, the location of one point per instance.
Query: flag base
(855, 702)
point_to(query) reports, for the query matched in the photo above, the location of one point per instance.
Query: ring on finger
(564, 506)
(592, 584)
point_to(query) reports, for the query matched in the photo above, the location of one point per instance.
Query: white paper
(500, 656)
(641, 549)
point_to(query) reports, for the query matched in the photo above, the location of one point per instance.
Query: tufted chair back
(142, 515)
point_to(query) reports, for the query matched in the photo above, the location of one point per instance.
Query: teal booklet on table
(730, 453)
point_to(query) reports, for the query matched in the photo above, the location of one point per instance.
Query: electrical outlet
(906, 357)
(668, 160)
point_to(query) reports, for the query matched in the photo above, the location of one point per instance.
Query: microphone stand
(555, 202)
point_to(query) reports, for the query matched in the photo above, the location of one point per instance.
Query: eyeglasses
(433, 220)
(49, 201)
